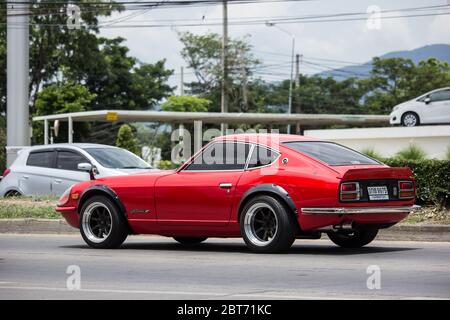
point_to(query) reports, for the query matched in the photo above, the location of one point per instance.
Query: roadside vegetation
(44, 208)
(28, 207)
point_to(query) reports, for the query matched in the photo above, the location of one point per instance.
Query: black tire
(99, 210)
(189, 240)
(13, 193)
(359, 238)
(410, 119)
(257, 221)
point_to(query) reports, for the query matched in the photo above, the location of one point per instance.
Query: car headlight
(64, 197)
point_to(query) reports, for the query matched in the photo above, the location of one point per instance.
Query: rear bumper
(358, 210)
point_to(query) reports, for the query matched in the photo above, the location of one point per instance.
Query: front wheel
(357, 239)
(410, 119)
(102, 225)
(267, 226)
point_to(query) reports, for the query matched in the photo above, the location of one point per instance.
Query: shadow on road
(304, 249)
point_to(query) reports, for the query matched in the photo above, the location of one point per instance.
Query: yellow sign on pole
(112, 116)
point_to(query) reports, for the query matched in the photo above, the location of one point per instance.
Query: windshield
(331, 153)
(117, 158)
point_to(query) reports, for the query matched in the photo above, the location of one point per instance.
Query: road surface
(150, 267)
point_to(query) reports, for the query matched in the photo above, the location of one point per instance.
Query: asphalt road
(35, 266)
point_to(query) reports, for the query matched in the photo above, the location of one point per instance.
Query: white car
(52, 169)
(431, 108)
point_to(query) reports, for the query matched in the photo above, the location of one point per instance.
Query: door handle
(57, 180)
(25, 177)
(225, 185)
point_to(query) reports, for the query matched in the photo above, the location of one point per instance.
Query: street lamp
(271, 24)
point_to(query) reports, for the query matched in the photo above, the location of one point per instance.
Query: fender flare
(269, 188)
(99, 189)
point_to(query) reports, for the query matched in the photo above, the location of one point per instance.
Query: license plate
(378, 193)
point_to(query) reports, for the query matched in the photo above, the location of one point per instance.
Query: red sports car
(268, 189)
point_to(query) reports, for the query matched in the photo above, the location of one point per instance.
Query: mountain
(438, 51)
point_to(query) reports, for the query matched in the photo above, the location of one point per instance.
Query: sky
(349, 41)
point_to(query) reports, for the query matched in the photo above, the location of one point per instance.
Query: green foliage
(186, 104)
(62, 97)
(370, 152)
(432, 179)
(165, 165)
(202, 54)
(447, 154)
(126, 139)
(28, 207)
(396, 80)
(412, 152)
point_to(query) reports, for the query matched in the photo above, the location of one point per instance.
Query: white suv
(51, 169)
(431, 108)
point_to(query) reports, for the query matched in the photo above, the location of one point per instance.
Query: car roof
(69, 145)
(269, 139)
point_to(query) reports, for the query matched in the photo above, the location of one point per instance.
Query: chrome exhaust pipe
(346, 226)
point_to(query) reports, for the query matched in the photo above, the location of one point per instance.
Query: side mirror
(87, 167)
(427, 100)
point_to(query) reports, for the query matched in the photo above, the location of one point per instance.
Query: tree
(62, 97)
(186, 104)
(202, 53)
(126, 139)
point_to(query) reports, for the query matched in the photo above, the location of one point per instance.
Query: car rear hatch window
(331, 153)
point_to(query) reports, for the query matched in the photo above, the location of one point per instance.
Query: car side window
(45, 159)
(262, 156)
(221, 156)
(68, 160)
(443, 95)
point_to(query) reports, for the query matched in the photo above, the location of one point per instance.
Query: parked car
(431, 108)
(51, 169)
(268, 189)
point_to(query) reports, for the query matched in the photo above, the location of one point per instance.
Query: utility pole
(17, 82)
(297, 70)
(224, 99)
(182, 82)
(298, 106)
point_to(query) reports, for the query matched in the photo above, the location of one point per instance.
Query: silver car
(51, 169)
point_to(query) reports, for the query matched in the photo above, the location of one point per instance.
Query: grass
(412, 152)
(42, 207)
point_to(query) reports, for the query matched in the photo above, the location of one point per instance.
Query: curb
(401, 232)
(36, 226)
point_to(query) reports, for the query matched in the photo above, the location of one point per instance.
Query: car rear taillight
(6, 172)
(406, 190)
(350, 191)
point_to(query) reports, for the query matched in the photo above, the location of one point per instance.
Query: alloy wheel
(261, 224)
(97, 222)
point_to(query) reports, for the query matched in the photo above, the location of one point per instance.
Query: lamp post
(271, 24)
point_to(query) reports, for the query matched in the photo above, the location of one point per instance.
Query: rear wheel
(356, 239)
(266, 225)
(189, 240)
(102, 225)
(410, 119)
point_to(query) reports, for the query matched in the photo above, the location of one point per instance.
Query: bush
(370, 152)
(165, 165)
(432, 178)
(412, 152)
(127, 140)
